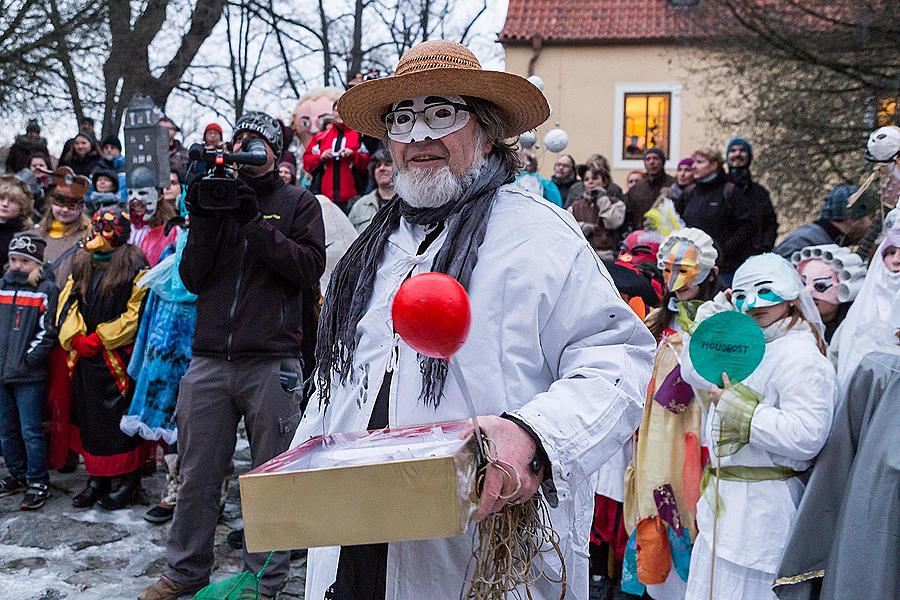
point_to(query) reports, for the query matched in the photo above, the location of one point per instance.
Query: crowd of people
(138, 321)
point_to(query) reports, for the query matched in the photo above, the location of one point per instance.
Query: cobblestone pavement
(63, 552)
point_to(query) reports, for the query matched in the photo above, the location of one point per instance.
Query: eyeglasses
(67, 202)
(437, 116)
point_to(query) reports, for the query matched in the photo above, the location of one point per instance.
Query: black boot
(125, 495)
(96, 487)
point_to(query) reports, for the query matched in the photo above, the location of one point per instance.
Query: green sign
(729, 342)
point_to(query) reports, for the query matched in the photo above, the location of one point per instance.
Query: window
(647, 115)
(646, 121)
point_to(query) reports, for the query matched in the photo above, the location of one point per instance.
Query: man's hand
(512, 445)
(191, 200)
(327, 155)
(249, 205)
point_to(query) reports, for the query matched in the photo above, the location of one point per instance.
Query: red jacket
(337, 183)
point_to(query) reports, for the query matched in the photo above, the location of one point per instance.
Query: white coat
(551, 342)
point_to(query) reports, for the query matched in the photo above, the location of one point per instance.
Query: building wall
(580, 84)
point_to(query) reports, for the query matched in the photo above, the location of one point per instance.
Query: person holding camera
(254, 255)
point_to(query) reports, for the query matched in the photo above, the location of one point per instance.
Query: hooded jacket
(256, 283)
(27, 331)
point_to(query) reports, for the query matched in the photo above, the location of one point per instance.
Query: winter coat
(82, 165)
(551, 343)
(254, 281)
(364, 209)
(56, 247)
(641, 198)
(21, 151)
(719, 209)
(766, 229)
(600, 221)
(576, 191)
(812, 234)
(27, 331)
(564, 186)
(338, 183)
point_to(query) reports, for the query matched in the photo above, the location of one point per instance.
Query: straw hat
(440, 68)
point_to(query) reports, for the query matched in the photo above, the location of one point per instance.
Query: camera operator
(254, 269)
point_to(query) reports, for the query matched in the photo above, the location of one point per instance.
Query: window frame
(673, 88)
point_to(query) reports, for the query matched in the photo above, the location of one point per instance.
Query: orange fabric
(654, 558)
(638, 306)
(692, 469)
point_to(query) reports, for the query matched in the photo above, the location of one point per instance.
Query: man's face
(653, 164)
(455, 150)
(86, 126)
(857, 228)
(110, 152)
(255, 171)
(685, 175)
(633, 178)
(384, 171)
(563, 168)
(32, 135)
(737, 156)
(212, 138)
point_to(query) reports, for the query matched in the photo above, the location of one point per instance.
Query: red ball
(431, 313)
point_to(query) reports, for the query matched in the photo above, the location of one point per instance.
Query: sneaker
(166, 589)
(161, 513)
(35, 496)
(10, 485)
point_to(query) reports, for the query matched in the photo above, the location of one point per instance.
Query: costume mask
(426, 118)
(640, 246)
(148, 197)
(313, 110)
(110, 228)
(820, 279)
(686, 257)
(764, 280)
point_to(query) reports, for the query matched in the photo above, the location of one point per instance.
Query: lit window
(646, 123)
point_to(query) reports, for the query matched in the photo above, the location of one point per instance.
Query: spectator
(838, 223)
(64, 225)
(718, 208)
(112, 160)
(99, 309)
(337, 162)
(172, 193)
(643, 194)
(599, 162)
(25, 146)
(84, 124)
(39, 167)
(381, 171)
(339, 232)
(271, 246)
(633, 178)
(16, 206)
(149, 215)
(684, 178)
(178, 154)
(83, 155)
(739, 154)
(212, 136)
(27, 334)
(599, 216)
(288, 173)
(564, 175)
(529, 179)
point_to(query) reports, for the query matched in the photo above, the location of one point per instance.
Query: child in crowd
(762, 434)
(27, 303)
(663, 483)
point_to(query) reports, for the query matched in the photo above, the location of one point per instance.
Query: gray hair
(492, 121)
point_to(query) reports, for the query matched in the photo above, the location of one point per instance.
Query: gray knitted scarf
(353, 278)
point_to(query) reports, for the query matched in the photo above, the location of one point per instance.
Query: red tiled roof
(578, 21)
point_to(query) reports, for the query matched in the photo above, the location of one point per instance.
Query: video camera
(218, 187)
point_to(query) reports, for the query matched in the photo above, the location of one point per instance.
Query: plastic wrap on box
(362, 488)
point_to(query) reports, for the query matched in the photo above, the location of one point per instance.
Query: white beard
(428, 188)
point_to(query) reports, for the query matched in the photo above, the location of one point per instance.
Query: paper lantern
(527, 140)
(556, 140)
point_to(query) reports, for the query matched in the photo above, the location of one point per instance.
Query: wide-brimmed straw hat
(440, 68)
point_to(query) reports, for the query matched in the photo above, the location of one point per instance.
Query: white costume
(551, 342)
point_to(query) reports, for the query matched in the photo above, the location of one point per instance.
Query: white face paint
(148, 197)
(426, 118)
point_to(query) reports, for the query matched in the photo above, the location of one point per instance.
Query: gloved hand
(87, 345)
(191, 200)
(249, 205)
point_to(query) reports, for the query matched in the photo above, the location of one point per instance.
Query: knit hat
(213, 127)
(263, 124)
(111, 140)
(33, 126)
(740, 141)
(657, 151)
(109, 175)
(687, 160)
(835, 206)
(289, 166)
(28, 244)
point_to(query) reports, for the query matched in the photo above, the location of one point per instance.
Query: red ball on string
(431, 313)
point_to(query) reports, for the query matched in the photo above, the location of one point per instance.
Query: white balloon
(556, 140)
(537, 81)
(527, 140)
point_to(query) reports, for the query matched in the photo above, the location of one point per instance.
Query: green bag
(243, 586)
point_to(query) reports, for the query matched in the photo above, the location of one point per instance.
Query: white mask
(147, 196)
(764, 280)
(432, 118)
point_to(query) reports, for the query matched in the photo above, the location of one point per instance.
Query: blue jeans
(22, 432)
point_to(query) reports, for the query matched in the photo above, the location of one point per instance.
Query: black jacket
(719, 209)
(27, 330)
(255, 281)
(766, 229)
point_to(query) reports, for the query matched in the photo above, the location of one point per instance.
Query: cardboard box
(362, 488)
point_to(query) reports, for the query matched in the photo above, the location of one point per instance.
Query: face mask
(764, 280)
(148, 197)
(426, 118)
(110, 229)
(820, 280)
(681, 266)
